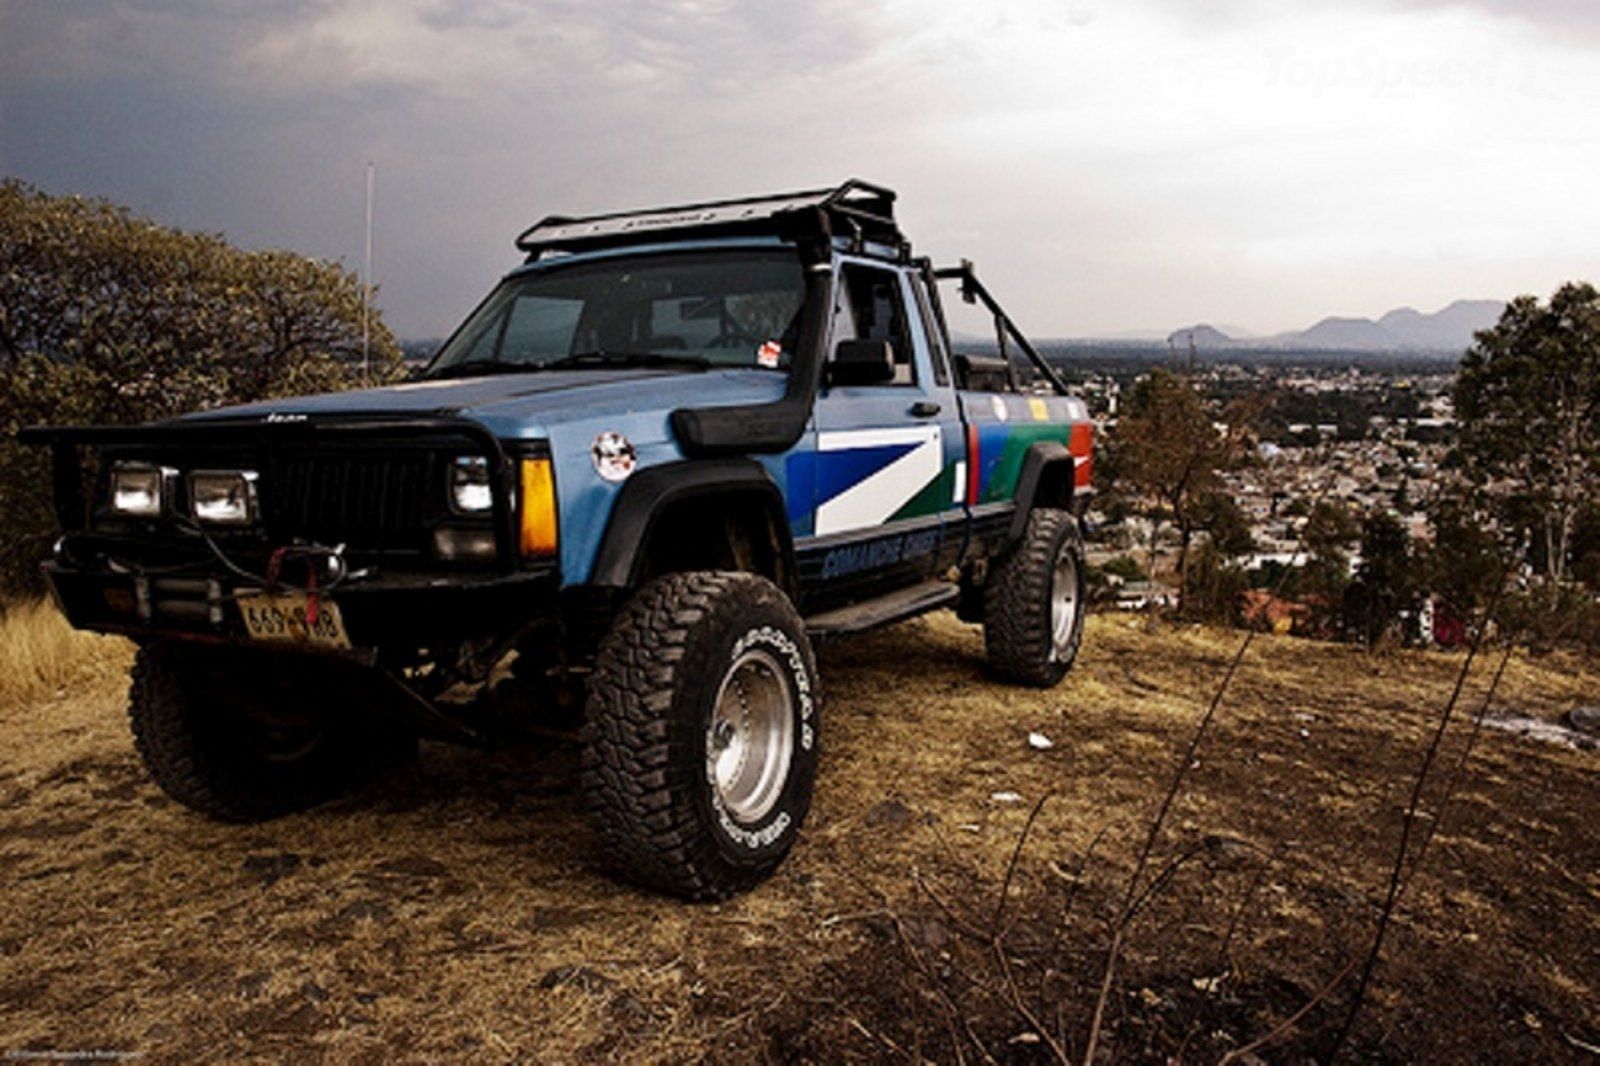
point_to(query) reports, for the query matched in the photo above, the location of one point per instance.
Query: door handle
(924, 409)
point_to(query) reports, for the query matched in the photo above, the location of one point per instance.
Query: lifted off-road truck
(667, 453)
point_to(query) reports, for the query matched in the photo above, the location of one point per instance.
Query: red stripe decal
(973, 456)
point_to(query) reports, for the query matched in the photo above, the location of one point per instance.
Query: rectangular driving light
(538, 519)
(458, 545)
(223, 497)
(469, 485)
(139, 490)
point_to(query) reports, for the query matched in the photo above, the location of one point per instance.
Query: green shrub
(109, 318)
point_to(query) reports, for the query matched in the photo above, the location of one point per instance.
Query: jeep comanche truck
(668, 453)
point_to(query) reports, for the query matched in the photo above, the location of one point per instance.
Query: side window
(868, 306)
(930, 327)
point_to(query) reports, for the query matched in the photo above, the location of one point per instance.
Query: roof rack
(857, 209)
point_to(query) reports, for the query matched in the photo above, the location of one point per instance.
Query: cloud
(1560, 18)
(478, 14)
(1109, 165)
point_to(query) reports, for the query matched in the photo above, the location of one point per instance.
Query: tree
(1225, 524)
(1329, 531)
(1215, 585)
(1166, 450)
(108, 317)
(1385, 582)
(1528, 400)
(1462, 567)
(1214, 581)
(1586, 546)
(1123, 567)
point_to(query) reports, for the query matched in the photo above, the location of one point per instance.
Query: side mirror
(862, 362)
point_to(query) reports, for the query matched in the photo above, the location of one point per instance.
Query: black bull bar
(266, 436)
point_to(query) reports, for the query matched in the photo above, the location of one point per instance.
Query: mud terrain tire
(1027, 641)
(694, 663)
(196, 725)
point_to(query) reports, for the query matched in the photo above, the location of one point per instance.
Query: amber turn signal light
(538, 508)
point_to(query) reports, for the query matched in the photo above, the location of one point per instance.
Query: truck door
(888, 454)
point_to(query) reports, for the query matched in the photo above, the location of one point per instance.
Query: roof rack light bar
(865, 210)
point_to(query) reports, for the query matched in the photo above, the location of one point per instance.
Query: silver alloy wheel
(750, 741)
(1066, 600)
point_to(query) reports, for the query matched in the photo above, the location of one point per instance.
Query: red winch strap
(311, 592)
(274, 567)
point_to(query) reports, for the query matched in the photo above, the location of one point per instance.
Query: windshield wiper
(600, 357)
(473, 368)
(484, 367)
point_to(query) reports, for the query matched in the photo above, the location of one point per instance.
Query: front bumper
(157, 578)
(392, 610)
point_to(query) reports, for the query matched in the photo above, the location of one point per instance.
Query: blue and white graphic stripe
(864, 476)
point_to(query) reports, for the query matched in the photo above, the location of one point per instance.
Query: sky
(1111, 167)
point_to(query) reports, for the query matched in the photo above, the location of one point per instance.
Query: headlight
(223, 497)
(469, 485)
(139, 489)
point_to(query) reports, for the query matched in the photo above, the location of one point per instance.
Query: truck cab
(667, 453)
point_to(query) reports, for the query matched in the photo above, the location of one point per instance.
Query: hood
(512, 404)
(449, 396)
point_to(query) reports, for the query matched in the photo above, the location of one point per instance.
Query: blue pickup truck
(665, 456)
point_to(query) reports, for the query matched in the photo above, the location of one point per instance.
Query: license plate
(285, 618)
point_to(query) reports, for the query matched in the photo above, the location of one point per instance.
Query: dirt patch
(1544, 731)
(456, 911)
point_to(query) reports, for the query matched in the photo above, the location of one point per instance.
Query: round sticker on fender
(614, 455)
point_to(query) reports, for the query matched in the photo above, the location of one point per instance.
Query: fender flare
(1046, 480)
(650, 491)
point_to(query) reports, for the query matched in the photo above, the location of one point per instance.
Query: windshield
(684, 309)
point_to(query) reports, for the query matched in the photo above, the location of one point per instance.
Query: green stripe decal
(932, 498)
(1000, 481)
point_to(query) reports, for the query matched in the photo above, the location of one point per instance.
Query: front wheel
(244, 738)
(700, 739)
(1034, 603)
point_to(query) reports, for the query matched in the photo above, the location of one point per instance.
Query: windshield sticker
(767, 355)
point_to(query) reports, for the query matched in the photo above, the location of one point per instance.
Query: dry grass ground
(455, 911)
(42, 657)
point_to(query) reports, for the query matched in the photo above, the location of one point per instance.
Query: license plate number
(285, 618)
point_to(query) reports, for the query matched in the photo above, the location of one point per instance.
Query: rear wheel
(244, 737)
(1034, 603)
(700, 739)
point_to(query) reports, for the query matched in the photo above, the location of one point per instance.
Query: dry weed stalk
(1398, 877)
(1133, 896)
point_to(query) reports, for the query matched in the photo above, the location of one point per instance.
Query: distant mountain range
(1403, 329)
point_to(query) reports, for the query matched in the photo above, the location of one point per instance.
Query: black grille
(370, 502)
